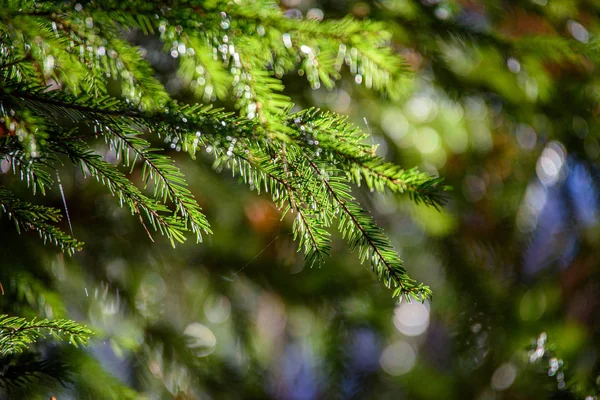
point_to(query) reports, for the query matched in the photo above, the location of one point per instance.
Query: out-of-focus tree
(498, 97)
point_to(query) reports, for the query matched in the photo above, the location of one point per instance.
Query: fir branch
(31, 170)
(312, 237)
(27, 216)
(257, 166)
(122, 187)
(169, 182)
(363, 234)
(14, 63)
(337, 140)
(17, 334)
(265, 144)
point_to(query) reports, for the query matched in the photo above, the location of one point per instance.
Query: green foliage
(27, 369)
(18, 334)
(27, 216)
(21, 364)
(144, 96)
(60, 62)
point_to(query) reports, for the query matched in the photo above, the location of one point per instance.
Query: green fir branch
(18, 334)
(30, 217)
(306, 160)
(361, 232)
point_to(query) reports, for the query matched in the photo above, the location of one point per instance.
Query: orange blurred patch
(522, 23)
(262, 215)
(412, 58)
(5, 132)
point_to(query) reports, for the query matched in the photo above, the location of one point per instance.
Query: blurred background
(502, 101)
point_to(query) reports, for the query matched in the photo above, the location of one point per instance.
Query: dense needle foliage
(59, 59)
(133, 126)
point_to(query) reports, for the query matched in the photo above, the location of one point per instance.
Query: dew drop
(287, 40)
